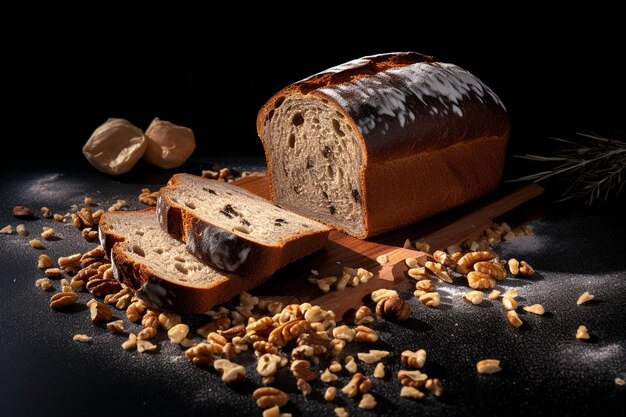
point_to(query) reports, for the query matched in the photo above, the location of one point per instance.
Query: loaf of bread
(383, 141)
(233, 229)
(160, 269)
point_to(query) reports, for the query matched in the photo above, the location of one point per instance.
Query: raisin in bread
(160, 269)
(383, 141)
(233, 229)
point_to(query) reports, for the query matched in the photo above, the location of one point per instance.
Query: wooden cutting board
(290, 284)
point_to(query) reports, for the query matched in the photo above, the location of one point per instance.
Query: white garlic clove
(115, 146)
(169, 145)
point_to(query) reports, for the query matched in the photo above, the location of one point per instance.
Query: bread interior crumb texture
(240, 212)
(316, 158)
(148, 244)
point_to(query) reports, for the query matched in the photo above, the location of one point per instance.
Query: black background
(66, 71)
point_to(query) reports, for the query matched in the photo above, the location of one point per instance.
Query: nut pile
(474, 263)
(303, 343)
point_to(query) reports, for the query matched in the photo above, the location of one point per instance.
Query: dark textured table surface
(546, 370)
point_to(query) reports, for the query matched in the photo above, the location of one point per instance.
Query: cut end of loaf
(329, 137)
(142, 240)
(315, 156)
(233, 229)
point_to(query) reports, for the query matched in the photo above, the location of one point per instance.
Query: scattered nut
(467, 261)
(325, 283)
(58, 217)
(418, 273)
(411, 392)
(412, 262)
(514, 318)
(116, 326)
(341, 412)
(115, 146)
(44, 262)
(48, 233)
(267, 397)
(178, 332)
(585, 297)
(334, 366)
(131, 343)
(63, 299)
(359, 384)
(363, 315)
(343, 332)
(439, 270)
(230, 371)
(509, 303)
(83, 338)
(351, 365)
(494, 270)
(383, 293)
(6, 230)
(203, 353)
(619, 381)
(582, 332)
(145, 346)
(474, 297)
(444, 259)
(514, 266)
(480, 281)
(148, 197)
(268, 364)
(415, 359)
(393, 308)
(43, 283)
(535, 309)
(36, 243)
(146, 333)
(301, 370)
(434, 386)
(365, 334)
(100, 312)
(379, 371)
(511, 292)
(415, 379)
(525, 269)
(493, 295)
(303, 387)
(21, 229)
(45, 212)
(373, 355)
(330, 393)
(382, 259)
(69, 261)
(328, 376)
(22, 212)
(488, 366)
(431, 299)
(368, 402)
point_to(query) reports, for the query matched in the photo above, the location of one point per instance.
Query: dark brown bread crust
(433, 135)
(226, 250)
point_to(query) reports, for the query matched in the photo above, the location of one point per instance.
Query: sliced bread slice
(160, 269)
(233, 229)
